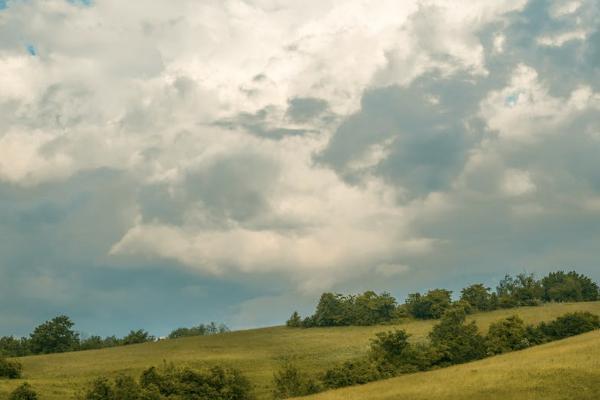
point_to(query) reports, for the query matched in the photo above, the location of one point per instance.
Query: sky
(169, 163)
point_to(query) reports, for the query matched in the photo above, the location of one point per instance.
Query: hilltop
(257, 353)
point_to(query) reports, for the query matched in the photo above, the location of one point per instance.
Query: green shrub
(457, 341)
(507, 335)
(215, 383)
(289, 381)
(570, 324)
(429, 306)
(10, 369)
(23, 392)
(354, 372)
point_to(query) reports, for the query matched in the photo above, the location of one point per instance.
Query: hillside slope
(257, 352)
(567, 369)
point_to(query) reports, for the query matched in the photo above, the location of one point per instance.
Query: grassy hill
(566, 369)
(258, 353)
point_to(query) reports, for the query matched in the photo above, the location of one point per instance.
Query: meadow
(259, 352)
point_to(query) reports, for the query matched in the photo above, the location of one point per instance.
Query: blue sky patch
(31, 50)
(86, 3)
(2, 4)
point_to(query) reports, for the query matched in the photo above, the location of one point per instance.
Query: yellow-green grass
(257, 353)
(564, 370)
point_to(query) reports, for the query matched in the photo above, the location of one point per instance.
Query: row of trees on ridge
(370, 308)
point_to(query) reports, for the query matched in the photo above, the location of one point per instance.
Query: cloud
(267, 146)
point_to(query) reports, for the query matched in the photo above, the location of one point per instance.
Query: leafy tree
(200, 330)
(23, 392)
(429, 306)
(295, 321)
(54, 336)
(478, 296)
(560, 286)
(507, 335)
(135, 337)
(334, 310)
(289, 381)
(100, 389)
(523, 290)
(457, 340)
(10, 369)
(14, 347)
(371, 308)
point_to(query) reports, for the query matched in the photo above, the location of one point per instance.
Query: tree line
(58, 336)
(370, 308)
(451, 341)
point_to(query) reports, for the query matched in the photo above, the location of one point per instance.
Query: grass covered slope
(565, 369)
(257, 353)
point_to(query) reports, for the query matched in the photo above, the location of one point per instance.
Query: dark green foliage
(23, 392)
(355, 372)
(570, 325)
(14, 347)
(200, 330)
(335, 309)
(215, 383)
(136, 337)
(54, 336)
(429, 306)
(371, 308)
(479, 297)
(571, 286)
(393, 353)
(456, 340)
(522, 290)
(507, 335)
(289, 381)
(295, 321)
(10, 369)
(100, 389)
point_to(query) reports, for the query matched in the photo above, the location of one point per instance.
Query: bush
(10, 369)
(289, 381)
(479, 297)
(457, 341)
(429, 306)
(295, 321)
(171, 383)
(23, 392)
(392, 353)
(355, 372)
(200, 330)
(507, 335)
(136, 337)
(570, 324)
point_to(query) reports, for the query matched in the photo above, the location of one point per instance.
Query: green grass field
(259, 352)
(563, 370)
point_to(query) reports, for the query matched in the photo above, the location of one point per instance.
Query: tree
(135, 337)
(457, 340)
(334, 310)
(371, 308)
(507, 335)
(430, 306)
(23, 392)
(478, 296)
(523, 290)
(560, 286)
(295, 321)
(54, 336)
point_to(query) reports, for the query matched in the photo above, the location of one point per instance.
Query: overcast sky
(166, 163)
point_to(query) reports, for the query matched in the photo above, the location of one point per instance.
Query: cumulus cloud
(312, 144)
